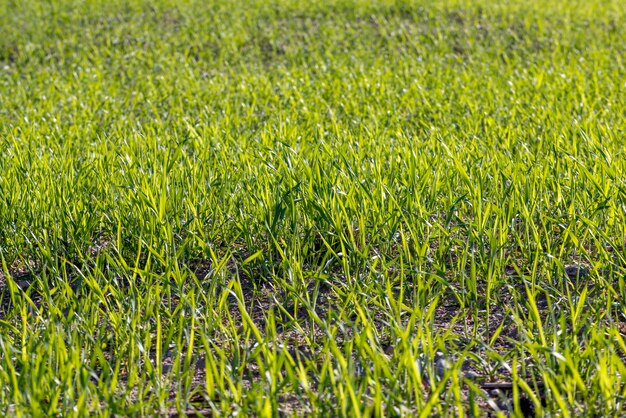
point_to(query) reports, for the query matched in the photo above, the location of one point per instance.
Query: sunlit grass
(333, 208)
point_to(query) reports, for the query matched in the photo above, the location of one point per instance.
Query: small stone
(441, 365)
(501, 400)
(576, 270)
(471, 375)
(359, 369)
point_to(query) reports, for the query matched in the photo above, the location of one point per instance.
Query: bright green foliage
(287, 208)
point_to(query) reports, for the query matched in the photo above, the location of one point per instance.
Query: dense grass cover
(312, 208)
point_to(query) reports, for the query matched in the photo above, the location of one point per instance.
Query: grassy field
(325, 208)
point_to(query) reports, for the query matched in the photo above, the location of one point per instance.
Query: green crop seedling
(324, 208)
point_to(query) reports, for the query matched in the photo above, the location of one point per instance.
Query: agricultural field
(325, 208)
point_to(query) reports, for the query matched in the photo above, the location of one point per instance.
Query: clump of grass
(333, 208)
